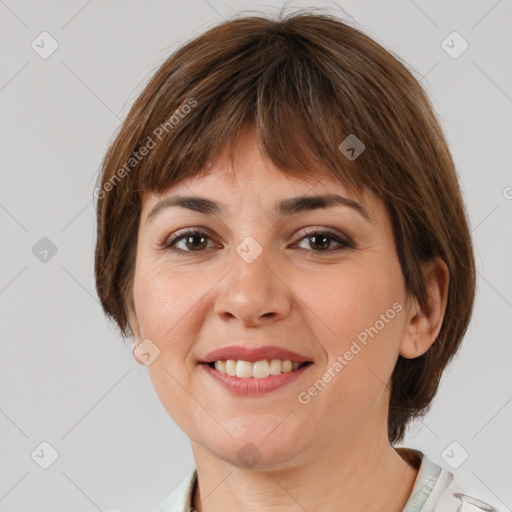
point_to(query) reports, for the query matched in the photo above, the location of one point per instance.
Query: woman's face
(257, 276)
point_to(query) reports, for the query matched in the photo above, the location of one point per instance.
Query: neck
(363, 474)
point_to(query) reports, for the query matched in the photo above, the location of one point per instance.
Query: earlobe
(135, 345)
(424, 324)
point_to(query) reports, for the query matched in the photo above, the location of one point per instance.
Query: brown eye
(321, 240)
(191, 241)
(195, 242)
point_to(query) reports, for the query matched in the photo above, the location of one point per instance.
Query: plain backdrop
(66, 378)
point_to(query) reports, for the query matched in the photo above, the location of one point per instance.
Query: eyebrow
(285, 207)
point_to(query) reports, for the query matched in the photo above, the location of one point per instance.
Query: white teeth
(231, 367)
(287, 367)
(257, 370)
(260, 370)
(243, 369)
(275, 367)
(220, 366)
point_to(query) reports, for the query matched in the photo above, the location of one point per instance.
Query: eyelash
(333, 235)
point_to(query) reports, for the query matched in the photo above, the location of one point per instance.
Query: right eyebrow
(198, 204)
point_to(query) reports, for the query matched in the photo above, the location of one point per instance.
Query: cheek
(163, 298)
(347, 302)
(166, 303)
(359, 324)
(161, 314)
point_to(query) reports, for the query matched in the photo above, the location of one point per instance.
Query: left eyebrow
(284, 207)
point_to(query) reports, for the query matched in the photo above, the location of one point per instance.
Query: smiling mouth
(257, 369)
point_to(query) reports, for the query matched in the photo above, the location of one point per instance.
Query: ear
(423, 324)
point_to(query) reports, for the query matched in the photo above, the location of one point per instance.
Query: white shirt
(434, 490)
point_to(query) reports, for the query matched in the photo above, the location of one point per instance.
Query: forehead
(210, 196)
(247, 175)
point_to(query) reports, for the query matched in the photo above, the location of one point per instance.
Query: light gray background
(66, 378)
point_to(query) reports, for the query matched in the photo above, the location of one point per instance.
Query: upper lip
(253, 354)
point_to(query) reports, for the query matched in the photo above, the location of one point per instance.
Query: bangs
(298, 115)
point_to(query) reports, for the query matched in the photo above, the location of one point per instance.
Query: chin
(255, 446)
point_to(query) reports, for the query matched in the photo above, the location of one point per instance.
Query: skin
(332, 453)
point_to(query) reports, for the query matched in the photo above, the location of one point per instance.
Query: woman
(282, 235)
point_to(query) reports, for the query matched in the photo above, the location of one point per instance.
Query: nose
(252, 293)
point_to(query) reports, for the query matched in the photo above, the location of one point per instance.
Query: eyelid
(334, 233)
(338, 237)
(187, 231)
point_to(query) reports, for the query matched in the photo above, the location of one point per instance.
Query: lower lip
(252, 386)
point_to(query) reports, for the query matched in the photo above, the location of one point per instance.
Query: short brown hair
(306, 81)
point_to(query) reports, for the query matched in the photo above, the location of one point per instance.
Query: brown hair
(307, 81)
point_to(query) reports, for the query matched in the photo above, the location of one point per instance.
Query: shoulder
(437, 490)
(180, 499)
(449, 494)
